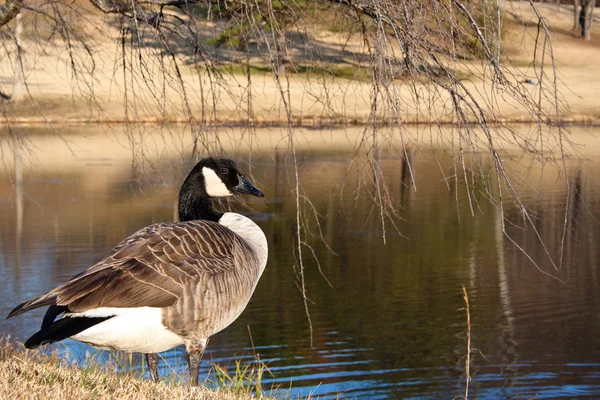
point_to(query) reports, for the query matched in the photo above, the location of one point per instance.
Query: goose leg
(152, 361)
(195, 352)
(194, 362)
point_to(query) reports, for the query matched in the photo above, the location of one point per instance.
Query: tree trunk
(501, 5)
(586, 17)
(576, 11)
(15, 94)
(282, 56)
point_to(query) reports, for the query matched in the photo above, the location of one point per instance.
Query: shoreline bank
(33, 374)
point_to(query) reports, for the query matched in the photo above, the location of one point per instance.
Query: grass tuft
(246, 379)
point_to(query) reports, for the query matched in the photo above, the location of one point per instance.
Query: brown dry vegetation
(28, 374)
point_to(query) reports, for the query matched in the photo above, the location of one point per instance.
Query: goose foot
(152, 361)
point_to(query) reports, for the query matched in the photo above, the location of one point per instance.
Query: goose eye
(224, 171)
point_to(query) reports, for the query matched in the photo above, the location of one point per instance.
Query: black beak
(245, 187)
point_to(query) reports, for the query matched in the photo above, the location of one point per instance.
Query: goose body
(167, 284)
(216, 296)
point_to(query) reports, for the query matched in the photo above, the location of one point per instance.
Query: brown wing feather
(149, 267)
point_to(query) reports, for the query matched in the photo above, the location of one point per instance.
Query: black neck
(194, 203)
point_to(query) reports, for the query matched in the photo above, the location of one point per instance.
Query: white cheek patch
(214, 185)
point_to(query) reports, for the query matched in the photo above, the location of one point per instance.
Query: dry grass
(30, 375)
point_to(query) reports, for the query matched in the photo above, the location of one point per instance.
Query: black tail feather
(61, 329)
(51, 314)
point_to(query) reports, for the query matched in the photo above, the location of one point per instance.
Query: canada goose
(168, 284)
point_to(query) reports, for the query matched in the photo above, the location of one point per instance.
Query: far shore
(52, 96)
(297, 122)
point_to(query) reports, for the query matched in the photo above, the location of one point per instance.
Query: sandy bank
(53, 94)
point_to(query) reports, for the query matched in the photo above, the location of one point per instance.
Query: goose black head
(211, 177)
(223, 178)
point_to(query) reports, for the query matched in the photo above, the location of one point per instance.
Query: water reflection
(390, 326)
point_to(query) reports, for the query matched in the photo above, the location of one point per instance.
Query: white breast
(250, 232)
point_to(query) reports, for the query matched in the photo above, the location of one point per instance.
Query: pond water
(391, 323)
